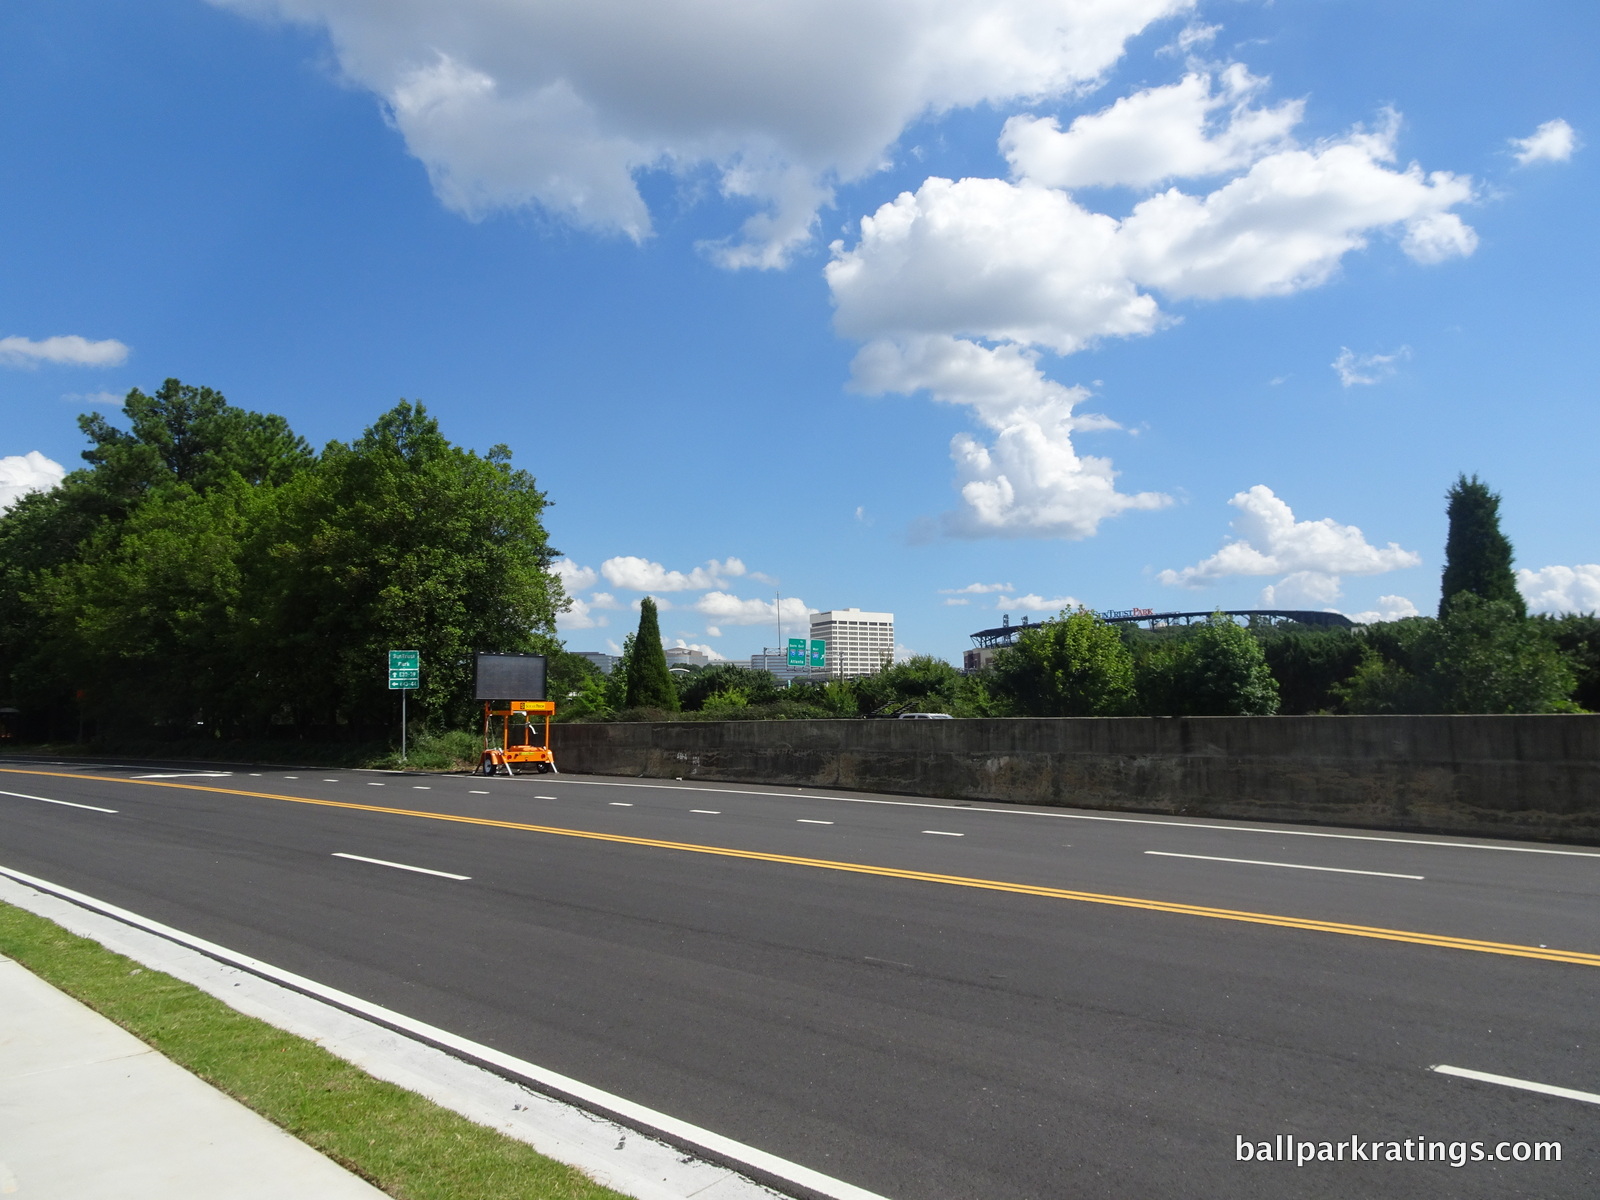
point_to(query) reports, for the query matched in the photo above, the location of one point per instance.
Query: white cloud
(1311, 555)
(70, 350)
(1302, 589)
(956, 287)
(24, 473)
(727, 609)
(710, 652)
(1030, 481)
(1560, 589)
(1390, 608)
(977, 589)
(1169, 132)
(956, 600)
(1356, 369)
(1033, 602)
(1554, 141)
(573, 578)
(580, 614)
(560, 104)
(642, 575)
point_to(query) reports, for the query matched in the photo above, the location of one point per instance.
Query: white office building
(858, 643)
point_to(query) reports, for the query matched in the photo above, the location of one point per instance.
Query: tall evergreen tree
(649, 681)
(1477, 556)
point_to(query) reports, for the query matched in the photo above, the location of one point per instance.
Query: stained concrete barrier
(1499, 776)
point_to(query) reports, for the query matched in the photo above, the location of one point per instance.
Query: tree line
(1482, 653)
(208, 573)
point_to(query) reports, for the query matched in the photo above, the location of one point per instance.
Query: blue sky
(1156, 304)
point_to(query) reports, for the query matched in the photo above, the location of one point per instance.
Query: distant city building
(600, 659)
(858, 643)
(777, 662)
(687, 656)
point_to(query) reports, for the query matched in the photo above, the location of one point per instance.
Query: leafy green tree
(649, 679)
(1309, 666)
(921, 683)
(1482, 657)
(1477, 556)
(1217, 670)
(757, 687)
(1074, 666)
(1577, 637)
(621, 672)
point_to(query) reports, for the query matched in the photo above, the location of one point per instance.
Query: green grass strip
(398, 1141)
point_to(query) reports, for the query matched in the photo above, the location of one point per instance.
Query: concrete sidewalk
(88, 1111)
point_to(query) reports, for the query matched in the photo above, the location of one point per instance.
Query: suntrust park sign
(1118, 614)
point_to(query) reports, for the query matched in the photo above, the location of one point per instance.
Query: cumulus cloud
(1029, 481)
(977, 589)
(698, 647)
(93, 399)
(561, 104)
(1359, 369)
(642, 575)
(1560, 589)
(24, 473)
(1161, 133)
(1554, 141)
(580, 614)
(573, 578)
(1033, 602)
(956, 288)
(70, 350)
(1390, 608)
(727, 609)
(1311, 555)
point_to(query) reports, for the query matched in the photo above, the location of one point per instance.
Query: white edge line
(637, 1114)
(68, 803)
(1526, 1085)
(943, 833)
(1061, 816)
(1256, 862)
(384, 862)
(201, 775)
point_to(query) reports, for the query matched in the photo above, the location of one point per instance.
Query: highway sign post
(405, 673)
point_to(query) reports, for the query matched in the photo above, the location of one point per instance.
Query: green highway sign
(797, 652)
(819, 650)
(405, 669)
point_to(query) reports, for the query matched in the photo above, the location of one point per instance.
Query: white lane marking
(809, 821)
(620, 804)
(564, 1085)
(943, 833)
(421, 787)
(68, 803)
(291, 777)
(195, 775)
(710, 812)
(371, 784)
(547, 797)
(255, 774)
(1256, 862)
(330, 781)
(1061, 816)
(384, 862)
(1526, 1085)
(470, 792)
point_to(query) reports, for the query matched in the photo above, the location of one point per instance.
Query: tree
(1074, 666)
(649, 679)
(1310, 665)
(1219, 670)
(757, 687)
(1477, 556)
(1577, 636)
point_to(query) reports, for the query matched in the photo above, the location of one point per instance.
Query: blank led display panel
(509, 676)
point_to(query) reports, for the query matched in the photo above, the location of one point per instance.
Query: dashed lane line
(1412, 937)
(383, 862)
(64, 803)
(1256, 862)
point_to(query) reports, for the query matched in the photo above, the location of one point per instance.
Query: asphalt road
(1078, 1005)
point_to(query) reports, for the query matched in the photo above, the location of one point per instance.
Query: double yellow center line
(1512, 949)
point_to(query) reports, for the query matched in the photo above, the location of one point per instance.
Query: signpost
(797, 652)
(405, 673)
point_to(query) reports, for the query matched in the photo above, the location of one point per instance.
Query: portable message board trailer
(511, 687)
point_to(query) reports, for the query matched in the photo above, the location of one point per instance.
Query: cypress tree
(649, 681)
(1477, 556)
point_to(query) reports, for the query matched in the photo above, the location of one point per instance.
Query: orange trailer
(522, 737)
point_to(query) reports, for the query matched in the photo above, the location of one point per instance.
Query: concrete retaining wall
(1510, 776)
